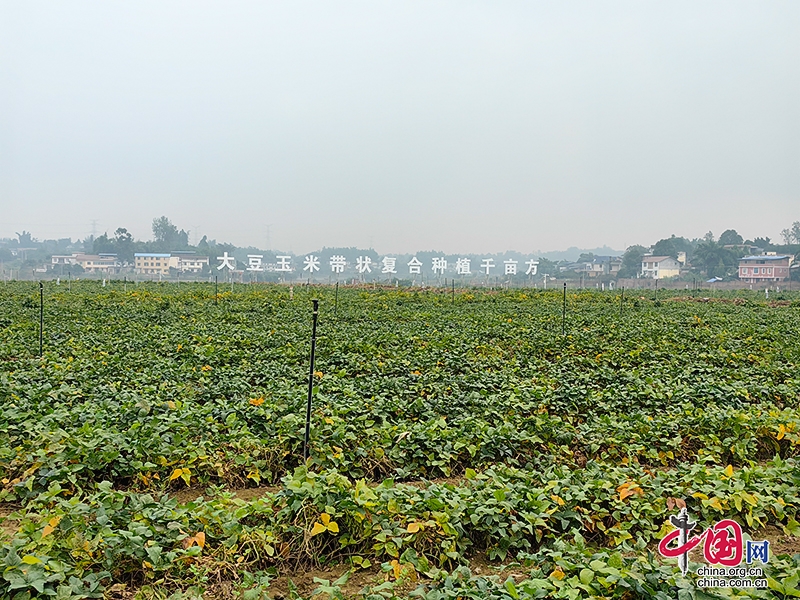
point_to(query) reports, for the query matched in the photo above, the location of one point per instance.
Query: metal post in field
(314, 315)
(564, 311)
(216, 290)
(41, 318)
(336, 300)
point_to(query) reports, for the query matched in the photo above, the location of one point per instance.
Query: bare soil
(8, 526)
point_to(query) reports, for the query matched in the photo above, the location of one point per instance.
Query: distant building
(90, 263)
(149, 263)
(755, 269)
(660, 267)
(63, 259)
(598, 267)
(186, 262)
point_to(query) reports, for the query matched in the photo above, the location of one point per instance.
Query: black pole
(336, 300)
(41, 318)
(216, 292)
(453, 294)
(655, 293)
(564, 311)
(621, 300)
(311, 378)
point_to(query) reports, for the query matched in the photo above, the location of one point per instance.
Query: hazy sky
(459, 126)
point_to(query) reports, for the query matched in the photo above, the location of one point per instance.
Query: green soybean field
(463, 444)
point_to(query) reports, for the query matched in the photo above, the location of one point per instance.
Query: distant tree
(167, 236)
(547, 267)
(708, 237)
(632, 261)
(164, 231)
(586, 257)
(792, 234)
(762, 242)
(25, 239)
(730, 237)
(714, 259)
(102, 245)
(671, 246)
(203, 247)
(124, 243)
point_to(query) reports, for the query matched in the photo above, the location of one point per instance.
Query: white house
(660, 267)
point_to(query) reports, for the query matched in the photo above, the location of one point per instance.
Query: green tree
(164, 231)
(671, 246)
(167, 236)
(763, 242)
(547, 267)
(124, 243)
(730, 237)
(102, 245)
(632, 261)
(25, 239)
(714, 259)
(792, 234)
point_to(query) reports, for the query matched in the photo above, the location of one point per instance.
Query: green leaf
(586, 576)
(511, 588)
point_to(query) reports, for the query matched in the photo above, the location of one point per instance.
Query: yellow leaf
(325, 518)
(629, 488)
(147, 564)
(51, 526)
(30, 559)
(257, 401)
(318, 374)
(558, 500)
(729, 471)
(396, 568)
(753, 501)
(781, 431)
(200, 538)
(175, 474)
(715, 504)
(333, 526)
(318, 528)
(413, 528)
(329, 421)
(700, 496)
(557, 573)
